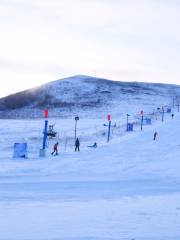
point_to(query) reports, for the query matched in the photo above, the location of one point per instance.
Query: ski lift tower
(43, 150)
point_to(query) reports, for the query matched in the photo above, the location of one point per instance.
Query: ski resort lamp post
(142, 119)
(178, 104)
(109, 126)
(75, 130)
(162, 114)
(127, 115)
(173, 102)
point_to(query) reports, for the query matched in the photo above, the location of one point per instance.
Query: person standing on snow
(55, 149)
(172, 115)
(77, 144)
(155, 136)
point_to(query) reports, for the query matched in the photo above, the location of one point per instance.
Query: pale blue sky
(130, 40)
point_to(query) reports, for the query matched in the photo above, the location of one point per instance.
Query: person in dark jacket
(155, 136)
(77, 144)
(55, 152)
(94, 145)
(172, 115)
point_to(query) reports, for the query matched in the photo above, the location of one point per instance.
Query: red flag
(46, 113)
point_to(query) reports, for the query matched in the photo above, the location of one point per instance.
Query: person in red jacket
(55, 152)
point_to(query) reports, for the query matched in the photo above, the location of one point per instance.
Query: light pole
(142, 118)
(109, 126)
(178, 104)
(75, 130)
(127, 121)
(162, 114)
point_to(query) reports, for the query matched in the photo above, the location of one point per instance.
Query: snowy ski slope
(128, 189)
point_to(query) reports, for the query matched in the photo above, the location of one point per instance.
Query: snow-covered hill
(82, 95)
(126, 189)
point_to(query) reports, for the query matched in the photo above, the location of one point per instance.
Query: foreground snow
(128, 189)
(135, 217)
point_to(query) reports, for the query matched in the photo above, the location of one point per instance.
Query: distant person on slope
(55, 149)
(172, 115)
(77, 144)
(94, 145)
(155, 136)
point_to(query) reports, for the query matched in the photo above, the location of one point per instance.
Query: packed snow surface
(127, 189)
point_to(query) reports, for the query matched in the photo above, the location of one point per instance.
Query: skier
(94, 145)
(172, 115)
(77, 144)
(155, 136)
(55, 149)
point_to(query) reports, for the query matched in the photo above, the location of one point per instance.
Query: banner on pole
(46, 113)
(20, 150)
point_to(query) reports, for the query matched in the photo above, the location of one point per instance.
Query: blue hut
(148, 121)
(130, 127)
(20, 150)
